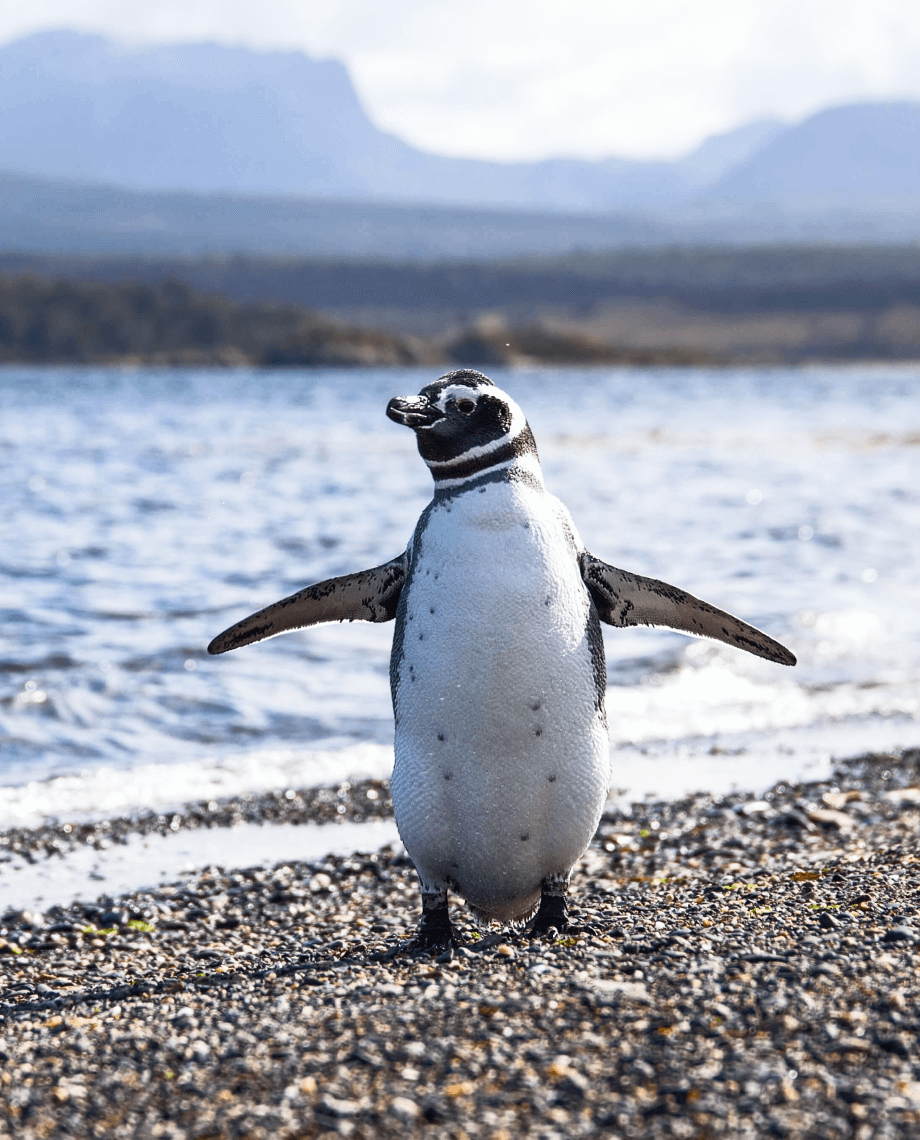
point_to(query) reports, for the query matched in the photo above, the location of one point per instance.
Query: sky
(528, 79)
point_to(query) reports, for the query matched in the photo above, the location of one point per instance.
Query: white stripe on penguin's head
(455, 395)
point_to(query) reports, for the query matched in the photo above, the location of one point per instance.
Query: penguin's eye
(466, 407)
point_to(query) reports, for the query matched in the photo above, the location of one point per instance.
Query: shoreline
(590, 357)
(354, 801)
(741, 967)
(365, 800)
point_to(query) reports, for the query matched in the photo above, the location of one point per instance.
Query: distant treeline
(170, 323)
(663, 306)
(44, 321)
(724, 279)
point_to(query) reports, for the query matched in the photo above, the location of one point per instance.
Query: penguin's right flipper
(370, 595)
(626, 599)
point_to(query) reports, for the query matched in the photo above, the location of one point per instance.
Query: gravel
(741, 968)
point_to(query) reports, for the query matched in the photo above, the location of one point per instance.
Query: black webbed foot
(552, 916)
(435, 934)
(553, 912)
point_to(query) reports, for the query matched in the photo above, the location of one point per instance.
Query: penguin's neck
(500, 460)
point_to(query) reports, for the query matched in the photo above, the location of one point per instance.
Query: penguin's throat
(498, 454)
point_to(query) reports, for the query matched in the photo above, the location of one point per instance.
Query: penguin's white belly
(502, 756)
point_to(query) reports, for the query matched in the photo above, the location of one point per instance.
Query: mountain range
(197, 149)
(207, 118)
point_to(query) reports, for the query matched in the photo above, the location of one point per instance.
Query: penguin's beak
(413, 411)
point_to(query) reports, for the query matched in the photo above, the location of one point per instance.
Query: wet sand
(740, 967)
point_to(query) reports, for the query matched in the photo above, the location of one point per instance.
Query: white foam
(717, 699)
(107, 791)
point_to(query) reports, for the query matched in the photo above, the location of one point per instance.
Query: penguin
(497, 672)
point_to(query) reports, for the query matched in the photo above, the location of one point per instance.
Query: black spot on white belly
(440, 736)
(421, 637)
(538, 732)
(448, 775)
(524, 838)
(535, 707)
(552, 779)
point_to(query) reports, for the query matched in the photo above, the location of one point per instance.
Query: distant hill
(208, 118)
(207, 149)
(53, 216)
(865, 155)
(719, 154)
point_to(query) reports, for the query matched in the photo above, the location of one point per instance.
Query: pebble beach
(738, 967)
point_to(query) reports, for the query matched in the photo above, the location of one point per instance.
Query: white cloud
(530, 78)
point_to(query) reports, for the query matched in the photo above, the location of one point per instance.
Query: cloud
(532, 78)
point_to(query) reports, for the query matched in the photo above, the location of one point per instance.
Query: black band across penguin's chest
(463, 468)
(501, 451)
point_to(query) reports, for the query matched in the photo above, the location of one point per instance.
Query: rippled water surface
(143, 512)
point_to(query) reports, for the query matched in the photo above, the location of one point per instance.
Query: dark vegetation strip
(720, 279)
(171, 323)
(60, 321)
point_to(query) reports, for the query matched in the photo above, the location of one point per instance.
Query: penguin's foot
(553, 912)
(435, 934)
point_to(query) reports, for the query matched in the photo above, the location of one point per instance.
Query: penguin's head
(462, 419)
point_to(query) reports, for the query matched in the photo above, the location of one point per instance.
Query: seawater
(143, 511)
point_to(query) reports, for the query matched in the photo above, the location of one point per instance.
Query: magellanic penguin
(497, 671)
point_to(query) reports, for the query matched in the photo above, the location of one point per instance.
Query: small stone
(609, 990)
(825, 970)
(756, 807)
(899, 934)
(839, 800)
(333, 1106)
(404, 1108)
(829, 817)
(559, 1066)
(827, 921)
(574, 1085)
(903, 795)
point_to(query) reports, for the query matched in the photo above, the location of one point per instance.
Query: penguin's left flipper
(625, 599)
(371, 595)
